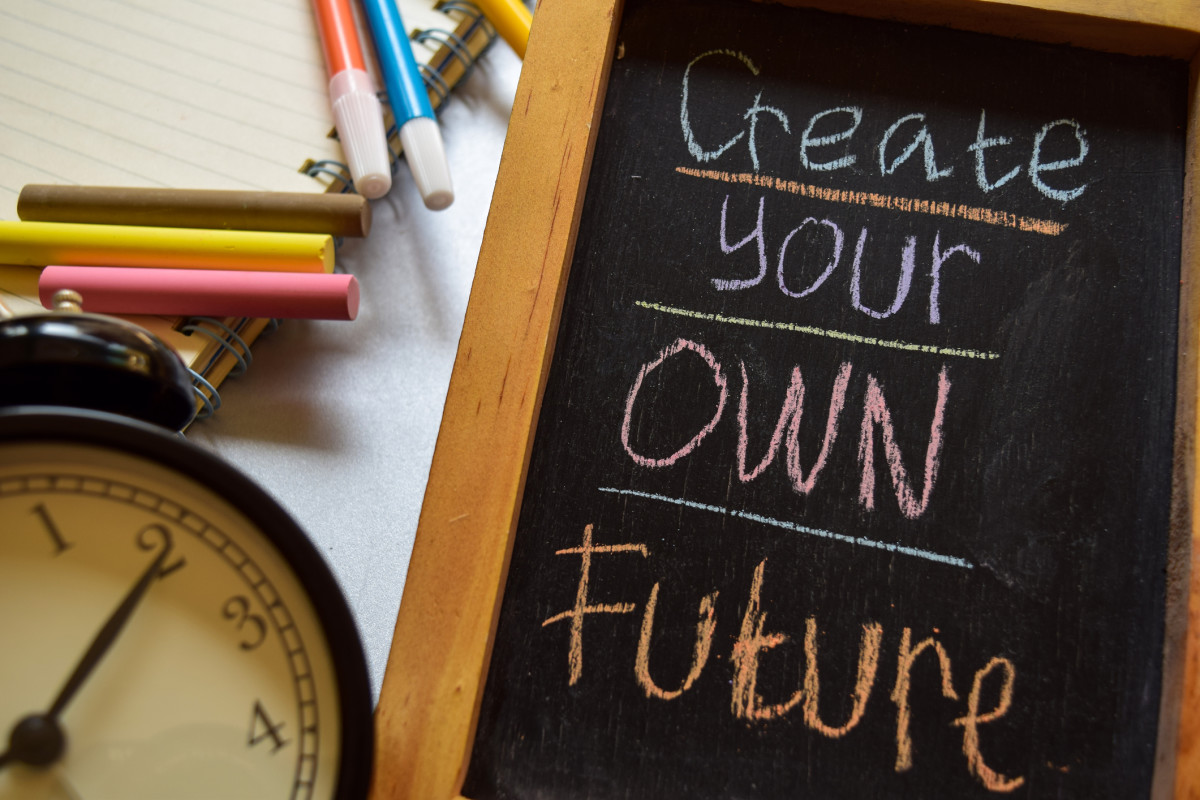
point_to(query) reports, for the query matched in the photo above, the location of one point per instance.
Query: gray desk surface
(338, 420)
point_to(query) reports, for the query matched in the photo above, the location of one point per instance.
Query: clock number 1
(60, 544)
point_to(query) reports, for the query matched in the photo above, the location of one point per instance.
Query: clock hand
(111, 630)
(38, 739)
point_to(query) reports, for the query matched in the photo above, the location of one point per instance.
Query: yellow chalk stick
(76, 244)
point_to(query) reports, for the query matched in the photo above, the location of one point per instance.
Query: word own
(876, 417)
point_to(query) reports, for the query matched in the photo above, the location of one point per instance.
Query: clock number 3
(237, 609)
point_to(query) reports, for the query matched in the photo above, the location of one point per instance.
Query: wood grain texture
(442, 641)
(443, 636)
(1183, 705)
(1160, 28)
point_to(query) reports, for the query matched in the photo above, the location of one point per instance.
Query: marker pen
(419, 133)
(357, 112)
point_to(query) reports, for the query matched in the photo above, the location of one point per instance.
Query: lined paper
(220, 94)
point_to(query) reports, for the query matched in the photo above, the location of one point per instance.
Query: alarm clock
(168, 631)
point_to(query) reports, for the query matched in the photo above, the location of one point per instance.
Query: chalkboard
(853, 470)
(845, 386)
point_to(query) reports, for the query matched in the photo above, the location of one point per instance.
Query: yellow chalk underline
(885, 201)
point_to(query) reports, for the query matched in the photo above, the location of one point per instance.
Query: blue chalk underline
(916, 552)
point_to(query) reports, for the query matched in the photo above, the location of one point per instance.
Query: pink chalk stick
(205, 292)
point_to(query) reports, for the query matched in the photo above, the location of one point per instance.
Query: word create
(903, 139)
(876, 417)
(908, 264)
(753, 641)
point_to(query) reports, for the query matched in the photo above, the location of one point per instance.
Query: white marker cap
(358, 116)
(426, 155)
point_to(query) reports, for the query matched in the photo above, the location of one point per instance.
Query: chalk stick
(286, 212)
(37, 244)
(198, 292)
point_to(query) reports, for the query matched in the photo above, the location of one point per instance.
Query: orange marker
(357, 111)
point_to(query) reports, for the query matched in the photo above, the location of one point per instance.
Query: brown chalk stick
(285, 212)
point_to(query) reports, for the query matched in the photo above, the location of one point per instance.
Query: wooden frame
(435, 674)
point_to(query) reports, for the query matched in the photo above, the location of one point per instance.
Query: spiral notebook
(222, 94)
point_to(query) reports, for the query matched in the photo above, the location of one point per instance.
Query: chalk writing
(582, 605)
(827, 128)
(807, 140)
(812, 330)
(704, 636)
(883, 201)
(795, 527)
(755, 639)
(676, 347)
(922, 140)
(971, 721)
(850, 335)
(939, 256)
(752, 642)
(876, 414)
(684, 119)
(789, 415)
(868, 664)
(901, 690)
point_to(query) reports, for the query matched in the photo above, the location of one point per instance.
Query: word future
(753, 641)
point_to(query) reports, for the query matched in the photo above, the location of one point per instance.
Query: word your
(903, 139)
(753, 641)
(876, 416)
(908, 264)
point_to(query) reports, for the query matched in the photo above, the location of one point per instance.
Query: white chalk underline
(916, 552)
(960, 352)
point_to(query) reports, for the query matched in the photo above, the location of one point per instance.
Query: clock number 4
(51, 527)
(263, 727)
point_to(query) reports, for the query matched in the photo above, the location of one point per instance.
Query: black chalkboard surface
(852, 475)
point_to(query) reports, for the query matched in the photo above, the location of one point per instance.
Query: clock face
(219, 681)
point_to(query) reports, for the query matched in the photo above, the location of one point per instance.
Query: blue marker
(419, 132)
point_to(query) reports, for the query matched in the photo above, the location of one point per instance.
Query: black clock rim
(63, 424)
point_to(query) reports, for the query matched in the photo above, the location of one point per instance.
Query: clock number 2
(164, 536)
(60, 543)
(237, 609)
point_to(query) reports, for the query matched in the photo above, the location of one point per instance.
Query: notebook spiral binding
(457, 52)
(455, 56)
(230, 358)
